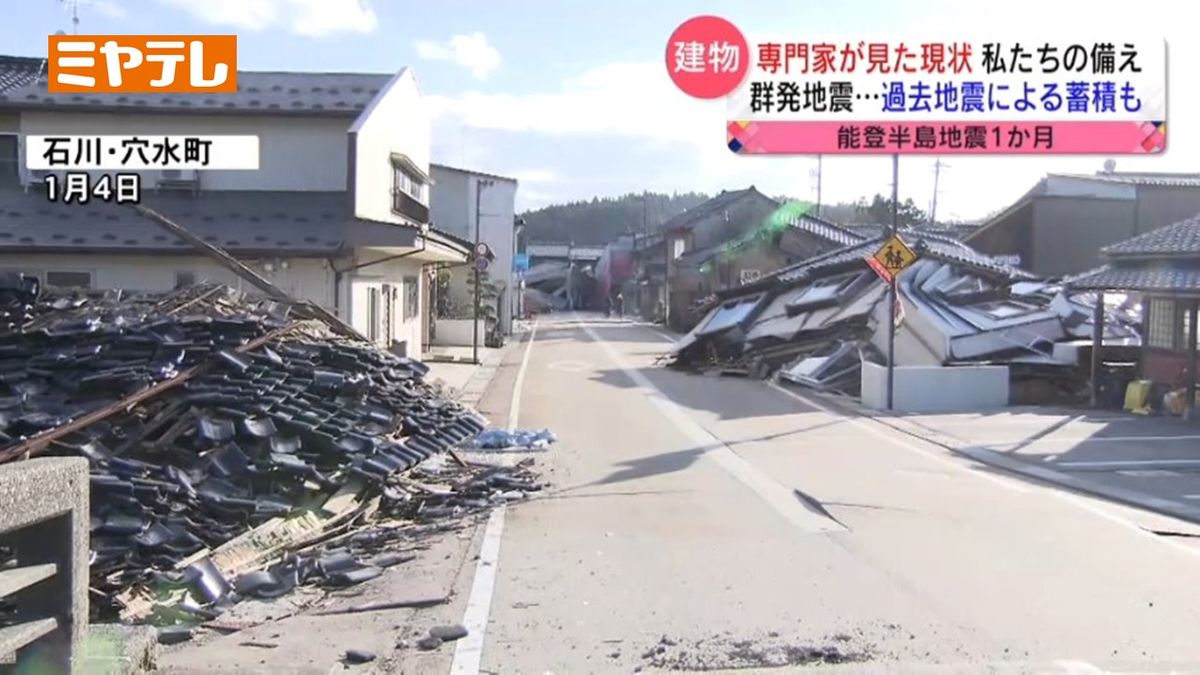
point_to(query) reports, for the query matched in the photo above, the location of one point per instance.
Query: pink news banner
(806, 95)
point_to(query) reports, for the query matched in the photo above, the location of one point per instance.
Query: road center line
(780, 498)
(468, 652)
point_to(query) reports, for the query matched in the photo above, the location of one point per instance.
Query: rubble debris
(723, 652)
(502, 439)
(237, 451)
(449, 633)
(815, 322)
(173, 635)
(429, 642)
(356, 656)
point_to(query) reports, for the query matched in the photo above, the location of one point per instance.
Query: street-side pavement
(667, 539)
(1150, 462)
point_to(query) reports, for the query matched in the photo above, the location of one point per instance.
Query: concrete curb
(1020, 467)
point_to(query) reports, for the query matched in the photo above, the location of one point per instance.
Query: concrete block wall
(928, 389)
(44, 526)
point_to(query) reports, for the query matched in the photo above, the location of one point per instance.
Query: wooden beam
(254, 278)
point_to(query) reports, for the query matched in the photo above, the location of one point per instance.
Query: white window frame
(679, 247)
(407, 181)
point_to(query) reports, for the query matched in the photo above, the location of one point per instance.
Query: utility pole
(937, 173)
(892, 290)
(819, 186)
(645, 220)
(479, 185)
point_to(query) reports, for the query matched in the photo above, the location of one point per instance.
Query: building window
(373, 314)
(408, 182)
(10, 166)
(680, 246)
(65, 279)
(1161, 319)
(412, 298)
(1167, 325)
(410, 192)
(184, 279)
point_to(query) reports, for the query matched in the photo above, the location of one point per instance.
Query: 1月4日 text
(81, 187)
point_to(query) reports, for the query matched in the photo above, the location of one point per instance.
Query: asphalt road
(705, 522)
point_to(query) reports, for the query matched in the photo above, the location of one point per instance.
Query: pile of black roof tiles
(253, 436)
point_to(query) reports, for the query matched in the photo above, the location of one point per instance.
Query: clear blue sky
(573, 99)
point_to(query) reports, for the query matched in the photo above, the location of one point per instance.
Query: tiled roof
(472, 172)
(244, 222)
(278, 92)
(820, 228)
(829, 231)
(1166, 278)
(1152, 179)
(696, 213)
(18, 71)
(1180, 239)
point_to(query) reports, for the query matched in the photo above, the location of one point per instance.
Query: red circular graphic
(707, 57)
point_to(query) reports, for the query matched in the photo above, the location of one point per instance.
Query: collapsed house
(224, 434)
(817, 322)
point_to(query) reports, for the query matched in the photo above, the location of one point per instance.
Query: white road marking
(1150, 473)
(1132, 463)
(514, 408)
(780, 498)
(895, 438)
(468, 652)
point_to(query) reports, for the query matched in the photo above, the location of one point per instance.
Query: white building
(455, 195)
(337, 212)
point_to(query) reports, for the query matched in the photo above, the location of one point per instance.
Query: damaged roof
(301, 93)
(926, 244)
(241, 221)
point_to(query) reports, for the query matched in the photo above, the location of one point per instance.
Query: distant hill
(603, 219)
